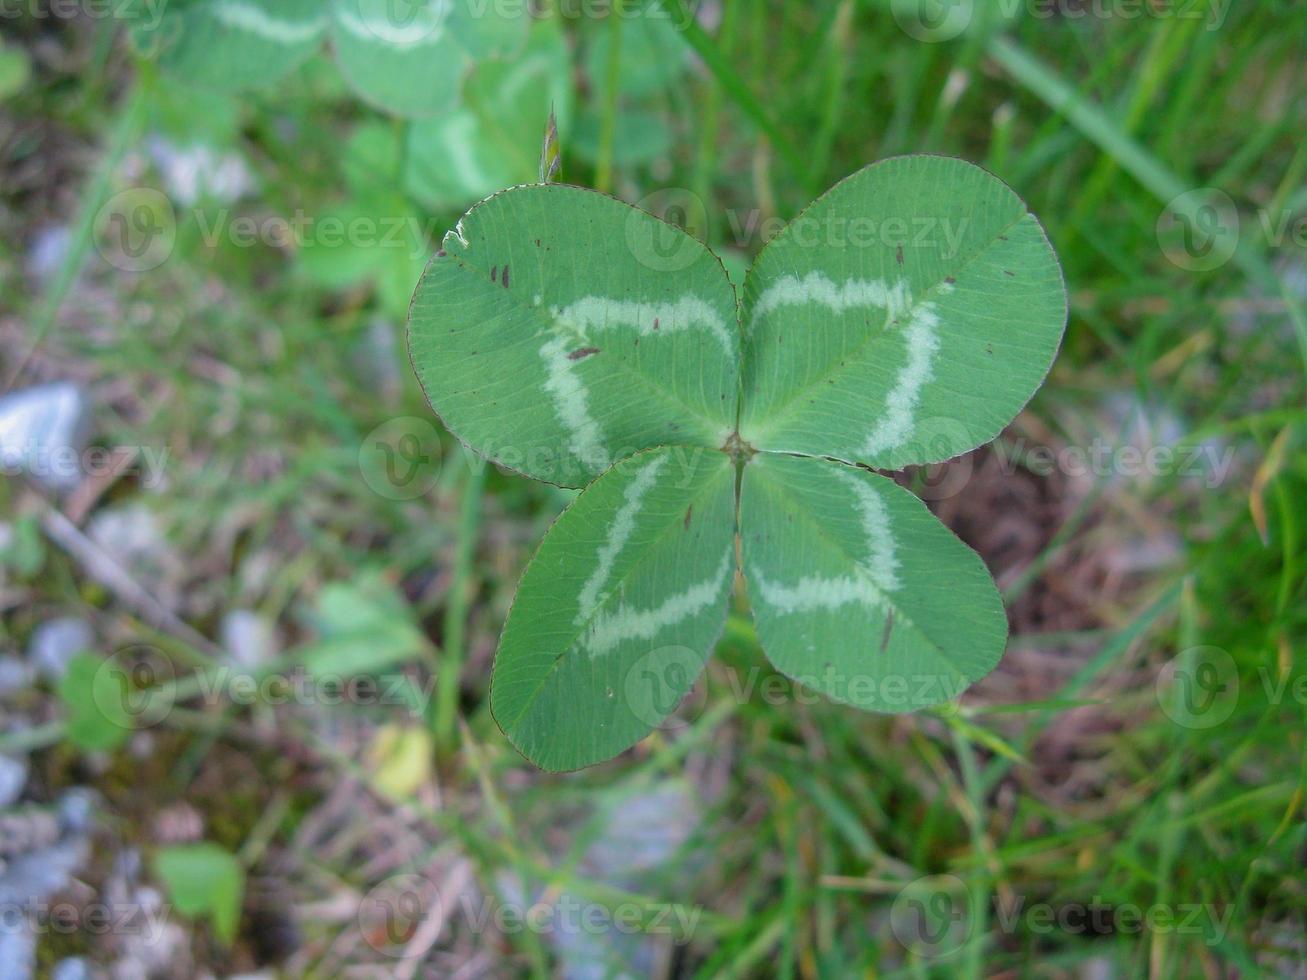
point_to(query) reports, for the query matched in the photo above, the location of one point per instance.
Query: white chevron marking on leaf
(895, 424)
(572, 401)
(592, 314)
(813, 592)
(255, 20)
(603, 313)
(424, 30)
(619, 532)
(921, 336)
(882, 564)
(817, 288)
(627, 623)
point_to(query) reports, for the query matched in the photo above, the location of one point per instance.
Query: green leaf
(25, 551)
(493, 140)
(365, 626)
(15, 69)
(653, 56)
(858, 591)
(409, 56)
(98, 719)
(905, 317)
(371, 239)
(617, 612)
(204, 881)
(231, 45)
(558, 330)
(639, 137)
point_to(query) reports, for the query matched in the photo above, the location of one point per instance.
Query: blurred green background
(250, 591)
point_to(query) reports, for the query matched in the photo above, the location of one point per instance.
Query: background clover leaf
(230, 45)
(407, 57)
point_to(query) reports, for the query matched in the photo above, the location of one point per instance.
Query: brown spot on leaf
(441, 254)
(505, 279)
(950, 280)
(494, 273)
(1007, 272)
(655, 323)
(688, 511)
(581, 352)
(889, 628)
(898, 254)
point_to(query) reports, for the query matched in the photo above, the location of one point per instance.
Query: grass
(1059, 784)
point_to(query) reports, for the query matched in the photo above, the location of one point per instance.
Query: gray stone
(13, 777)
(17, 949)
(73, 968)
(199, 172)
(15, 674)
(35, 876)
(643, 831)
(247, 638)
(46, 255)
(77, 810)
(56, 641)
(43, 431)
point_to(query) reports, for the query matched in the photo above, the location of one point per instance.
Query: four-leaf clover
(905, 317)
